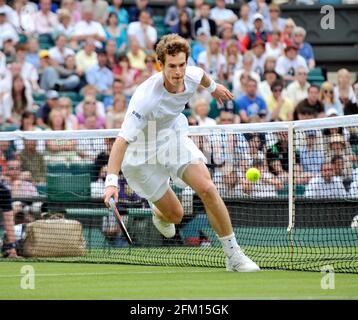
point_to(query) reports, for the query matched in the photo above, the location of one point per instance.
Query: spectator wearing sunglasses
(281, 108)
(329, 100)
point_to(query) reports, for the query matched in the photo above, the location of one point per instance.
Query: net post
(291, 161)
(291, 191)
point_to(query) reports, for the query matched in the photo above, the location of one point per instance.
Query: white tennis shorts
(151, 181)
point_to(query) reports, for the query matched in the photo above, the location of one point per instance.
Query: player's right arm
(114, 166)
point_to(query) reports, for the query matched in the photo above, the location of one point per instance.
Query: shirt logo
(136, 114)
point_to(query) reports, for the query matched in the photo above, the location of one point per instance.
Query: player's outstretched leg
(198, 177)
(167, 212)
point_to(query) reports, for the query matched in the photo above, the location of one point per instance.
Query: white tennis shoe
(167, 229)
(241, 263)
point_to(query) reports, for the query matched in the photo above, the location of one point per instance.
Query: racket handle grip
(112, 203)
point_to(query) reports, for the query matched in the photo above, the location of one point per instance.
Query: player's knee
(177, 215)
(207, 191)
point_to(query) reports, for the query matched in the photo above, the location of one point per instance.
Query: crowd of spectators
(101, 51)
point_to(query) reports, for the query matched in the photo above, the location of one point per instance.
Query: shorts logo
(137, 115)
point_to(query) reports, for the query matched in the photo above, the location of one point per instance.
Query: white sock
(229, 244)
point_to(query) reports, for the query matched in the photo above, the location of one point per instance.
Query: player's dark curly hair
(172, 44)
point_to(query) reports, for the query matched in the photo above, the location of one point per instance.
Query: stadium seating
(315, 75)
(68, 187)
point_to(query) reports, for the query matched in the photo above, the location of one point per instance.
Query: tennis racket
(114, 209)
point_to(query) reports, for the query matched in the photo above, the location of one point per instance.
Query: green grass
(103, 281)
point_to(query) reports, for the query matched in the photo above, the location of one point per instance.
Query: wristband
(212, 86)
(111, 180)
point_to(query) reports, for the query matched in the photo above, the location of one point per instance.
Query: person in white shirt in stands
(325, 184)
(11, 15)
(87, 28)
(247, 64)
(45, 21)
(158, 103)
(143, 32)
(274, 48)
(259, 55)
(222, 15)
(201, 109)
(7, 30)
(59, 52)
(212, 60)
(244, 24)
(297, 90)
(288, 63)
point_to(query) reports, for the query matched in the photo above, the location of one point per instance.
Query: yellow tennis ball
(253, 174)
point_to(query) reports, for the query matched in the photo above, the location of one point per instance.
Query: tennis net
(300, 215)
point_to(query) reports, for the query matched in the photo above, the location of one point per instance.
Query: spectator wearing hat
(221, 14)
(304, 48)
(259, 55)
(274, 21)
(312, 101)
(297, 90)
(274, 47)
(325, 184)
(51, 103)
(258, 33)
(99, 75)
(55, 76)
(288, 63)
(280, 108)
(7, 30)
(204, 23)
(244, 24)
(329, 101)
(249, 104)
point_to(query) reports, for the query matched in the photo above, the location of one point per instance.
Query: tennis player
(153, 146)
(9, 247)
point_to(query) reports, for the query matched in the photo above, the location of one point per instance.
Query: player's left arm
(218, 91)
